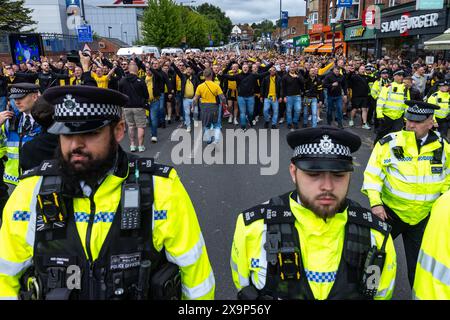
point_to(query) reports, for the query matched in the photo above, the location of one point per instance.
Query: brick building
(296, 27)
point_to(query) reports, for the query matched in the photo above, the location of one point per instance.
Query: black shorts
(359, 102)
(231, 95)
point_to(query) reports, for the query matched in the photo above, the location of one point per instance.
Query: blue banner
(84, 33)
(284, 19)
(344, 3)
(72, 3)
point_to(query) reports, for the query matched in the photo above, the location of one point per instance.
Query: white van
(138, 50)
(172, 51)
(193, 50)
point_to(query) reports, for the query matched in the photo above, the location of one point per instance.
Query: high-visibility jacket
(321, 246)
(377, 86)
(404, 179)
(391, 101)
(175, 230)
(11, 143)
(432, 279)
(441, 99)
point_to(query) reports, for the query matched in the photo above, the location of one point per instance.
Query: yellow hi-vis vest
(404, 179)
(432, 280)
(441, 99)
(391, 101)
(321, 249)
(175, 229)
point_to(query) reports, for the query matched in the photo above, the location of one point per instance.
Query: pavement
(220, 192)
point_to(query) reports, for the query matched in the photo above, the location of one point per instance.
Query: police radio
(131, 213)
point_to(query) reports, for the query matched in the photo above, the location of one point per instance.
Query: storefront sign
(429, 4)
(344, 3)
(359, 33)
(414, 23)
(372, 17)
(301, 41)
(317, 28)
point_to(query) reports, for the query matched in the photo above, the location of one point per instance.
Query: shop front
(404, 30)
(316, 39)
(360, 41)
(339, 44)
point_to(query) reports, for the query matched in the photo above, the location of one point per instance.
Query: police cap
(81, 109)
(20, 90)
(384, 71)
(399, 73)
(323, 149)
(419, 111)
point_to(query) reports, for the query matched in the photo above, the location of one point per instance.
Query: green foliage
(216, 14)
(14, 16)
(264, 26)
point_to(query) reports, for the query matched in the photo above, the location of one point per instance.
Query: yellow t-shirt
(102, 82)
(232, 85)
(189, 89)
(208, 95)
(272, 88)
(178, 80)
(149, 83)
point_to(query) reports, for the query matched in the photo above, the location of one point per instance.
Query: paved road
(220, 192)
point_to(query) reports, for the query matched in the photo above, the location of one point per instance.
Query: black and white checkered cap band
(416, 110)
(15, 90)
(87, 111)
(316, 149)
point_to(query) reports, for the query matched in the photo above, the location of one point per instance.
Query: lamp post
(109, 31)
(281, 24)
(126, 36)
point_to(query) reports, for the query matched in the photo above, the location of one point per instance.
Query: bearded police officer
(314, 243)
(124, 226)
(407, 171)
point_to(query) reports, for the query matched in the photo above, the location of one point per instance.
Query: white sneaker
(235, 122)
(133, 148)
(309, 118)
(254, 122)
(188, 129)
(350, 123)
(257, 118)
(141, 148)
(196, 123)
(319, 119)
(167, 117)
(230, 119)
(281, 121)
(154, 139)
(366, 126)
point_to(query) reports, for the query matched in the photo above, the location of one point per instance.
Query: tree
(163, 24)
(14, 16)
(196, 29)
(265, 26)
(215, 13)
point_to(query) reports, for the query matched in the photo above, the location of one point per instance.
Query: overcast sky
(242, 11)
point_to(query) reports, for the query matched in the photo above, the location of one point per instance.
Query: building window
(313, 18)
(393, 3)
(352, 13)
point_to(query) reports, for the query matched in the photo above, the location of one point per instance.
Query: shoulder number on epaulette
(270, 213)
(148, 165)
(364, 217)
(46, 168)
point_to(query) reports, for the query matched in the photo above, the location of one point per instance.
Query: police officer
(432, 281)
(18, 127)
(313, 242)
(391, 106)
(441, 98)
(121, 227)
(406, 173)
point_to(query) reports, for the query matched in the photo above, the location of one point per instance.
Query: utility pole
(333, 27)
(281, 30)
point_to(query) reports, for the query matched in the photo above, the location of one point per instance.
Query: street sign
(72, 3)
(284, 19)
(84, 33)
(344, 3)
(301, 41)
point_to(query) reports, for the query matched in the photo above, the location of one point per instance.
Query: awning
(313, 48)
(328, 47)
(441, 42)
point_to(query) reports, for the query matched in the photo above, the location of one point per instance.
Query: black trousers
(388, 126)
(412, 239)
(371, 104)
(443, 127)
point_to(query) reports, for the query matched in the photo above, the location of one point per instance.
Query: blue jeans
(296, 103)
(3, 103)
(162, 109)
(274, 104)
(153, 121)
(312, 102)
(246, 106)
(187, 104)
(334, 102)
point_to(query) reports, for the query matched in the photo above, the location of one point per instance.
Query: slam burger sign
(408, 24)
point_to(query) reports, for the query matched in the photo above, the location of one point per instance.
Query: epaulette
(148, 165)
(434, 94)
(386, 139)
(270, 213)
(46, 168)
(364, 217)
